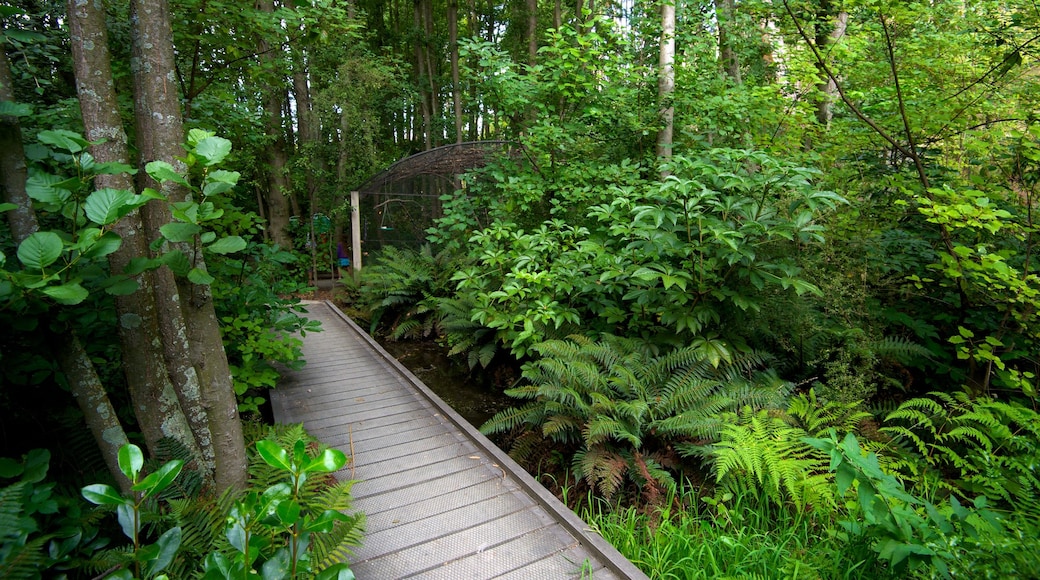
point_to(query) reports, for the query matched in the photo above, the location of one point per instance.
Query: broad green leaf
(163, 552)
(138, 265)
(288, 512)
(9, 468)
(329, 460)
(12, 109)
(105, 206)
(216, 188)
(161, 479)
(179, 232)
(68, 294)
(101, 494)
(276, 568)
(113, 168)
(64, 140)
(178, 262)
(25, 36)
(198, 276)
(213, 150)
(40, 250)
(162, 171)
(274, 455)
(7, 207)
(40, 186)
(207, 237)
(130, 460)
(227, 245)
(103, 246)
(121, 286)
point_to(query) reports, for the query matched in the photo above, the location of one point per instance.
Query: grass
(738, 537)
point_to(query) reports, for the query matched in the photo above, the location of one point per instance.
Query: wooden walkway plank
(441, 500)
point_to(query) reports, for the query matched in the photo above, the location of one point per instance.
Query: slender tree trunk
(93, 401)
(726, 14)
(532, 32)
(12, 162)
(277, 157)
(456, 86)
(197, 338)
(666, 79)
(421, 72)
(827, 36)
(557, 15)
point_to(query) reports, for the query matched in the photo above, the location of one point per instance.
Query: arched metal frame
(398, 205)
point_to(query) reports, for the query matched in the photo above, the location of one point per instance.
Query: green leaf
(162, 171)
(288, 512)
(339, 571)
(106, 206)
(68, 294)
(161, 479)
(101, 494)
(178, 262)
(213, 150)
(103, 246)
(227, 245)
(330, 460)
(198, 276)
(40, 250)
(166, 549)
(121, 286)
(7, 207)
(130, 460)
(12, 109)
(179, 232)
(274, 455)
(207, 237)
(277, 568)
(64, 140)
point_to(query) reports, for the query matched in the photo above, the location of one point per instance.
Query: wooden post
(355, 232)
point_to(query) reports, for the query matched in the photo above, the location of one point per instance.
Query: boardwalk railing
(441, 500)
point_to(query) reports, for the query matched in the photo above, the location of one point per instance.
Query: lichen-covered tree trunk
(196, 339)
(144, 366)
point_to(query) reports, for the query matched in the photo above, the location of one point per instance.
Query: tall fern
(762, 452)
(400, 289)
(623, 411)
(988, 446)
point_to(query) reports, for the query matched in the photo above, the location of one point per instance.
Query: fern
(762, 452)
(988, 446)
(816, 417)
(621, 409)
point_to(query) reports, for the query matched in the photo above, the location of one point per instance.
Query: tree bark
(726, 14)
(277, 155)
(420, 72)
(827, 36)
(666, 79)
(196, 338)
(532, 32)
(456, 87)
(12, 162)
(144, 366)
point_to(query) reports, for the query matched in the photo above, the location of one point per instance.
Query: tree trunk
(420, 72)
(93, 401)
(456, 87)
(277, 156)
(828, 35)
(145, 367)
(532, 32)
(666, 79)
(726, 14)
(12, 162)
(160, 135)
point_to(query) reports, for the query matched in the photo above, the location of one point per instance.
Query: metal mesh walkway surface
(441, 500)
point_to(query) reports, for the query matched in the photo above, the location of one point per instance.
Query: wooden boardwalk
(441, 500)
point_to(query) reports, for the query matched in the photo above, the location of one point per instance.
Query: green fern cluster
(989, 446)
(766, 452)
(626, 412)
(400, 290)
(463, 335)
